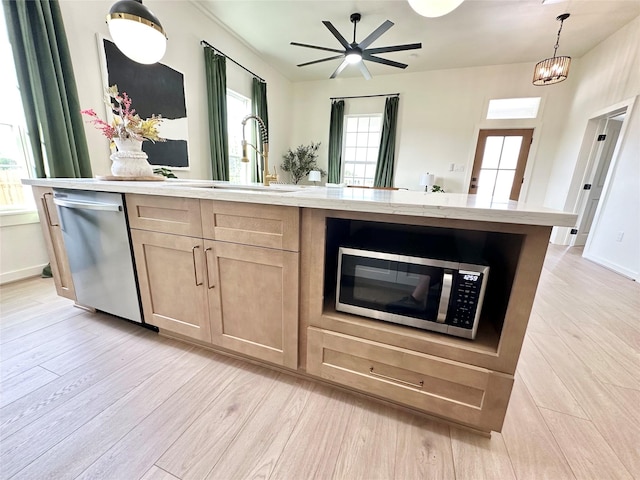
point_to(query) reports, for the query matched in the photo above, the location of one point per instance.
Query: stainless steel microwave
(426, 293)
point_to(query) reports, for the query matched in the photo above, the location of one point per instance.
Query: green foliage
(165, 172)
(8, 161)
(301, 161)
(437, 188)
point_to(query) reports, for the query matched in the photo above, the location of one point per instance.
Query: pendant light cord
(562, 18)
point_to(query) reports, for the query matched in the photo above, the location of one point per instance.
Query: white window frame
(235, 142)
(366, 181)
(22, 148)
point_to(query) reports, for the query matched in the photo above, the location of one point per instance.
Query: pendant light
(136, 31)
(434, 8)
(555, 69)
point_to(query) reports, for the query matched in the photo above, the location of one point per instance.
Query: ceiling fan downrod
(355, 18)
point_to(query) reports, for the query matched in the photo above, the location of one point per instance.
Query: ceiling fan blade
(394, 48)
(321, 60)
(365, 71)
(384, 61)
(316, 47)
(339, 69)
(373, 36)
(336, 34)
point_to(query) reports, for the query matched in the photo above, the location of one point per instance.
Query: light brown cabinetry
(464, 381)
(253, 298)
(205, 273)
(171, 274)
(52, 232)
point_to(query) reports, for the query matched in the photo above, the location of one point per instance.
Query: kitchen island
(251, 271)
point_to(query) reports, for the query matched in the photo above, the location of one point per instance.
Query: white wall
(610, 74)
(440, 113)
(185, 25)
(22, 249)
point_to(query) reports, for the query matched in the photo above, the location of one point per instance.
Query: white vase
(130, 160)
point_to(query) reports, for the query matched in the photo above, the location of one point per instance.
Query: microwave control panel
(465, 299)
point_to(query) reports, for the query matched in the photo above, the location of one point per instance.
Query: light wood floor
(89, 396)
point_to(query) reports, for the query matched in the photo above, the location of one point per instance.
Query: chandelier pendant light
(555, 69)
(136, 31)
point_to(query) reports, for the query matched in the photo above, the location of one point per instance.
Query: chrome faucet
(264, 136)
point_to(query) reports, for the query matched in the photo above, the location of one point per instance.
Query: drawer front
(459, 392)
(179, 216)
(270, 226)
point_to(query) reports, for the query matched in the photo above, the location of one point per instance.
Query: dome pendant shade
(434, 8)
(555, 69)
(137, 32)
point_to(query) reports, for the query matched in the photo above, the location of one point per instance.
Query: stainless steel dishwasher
(96, 237)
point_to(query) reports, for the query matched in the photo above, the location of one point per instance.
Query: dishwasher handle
(106, 207)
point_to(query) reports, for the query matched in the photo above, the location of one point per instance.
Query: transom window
(238, 107)
(360, 149)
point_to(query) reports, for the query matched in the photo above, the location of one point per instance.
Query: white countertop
(396, 202)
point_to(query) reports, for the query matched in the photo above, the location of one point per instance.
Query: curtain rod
(367, 96)
(207, 44)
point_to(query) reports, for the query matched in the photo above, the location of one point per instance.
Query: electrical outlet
(459, 168)
(619, 236)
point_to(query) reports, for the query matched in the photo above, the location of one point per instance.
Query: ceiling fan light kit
(555, 69)
(354, 53)
(434, 8)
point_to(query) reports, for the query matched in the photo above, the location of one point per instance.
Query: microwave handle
(443, 308)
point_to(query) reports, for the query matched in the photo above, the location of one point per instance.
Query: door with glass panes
(499, 164)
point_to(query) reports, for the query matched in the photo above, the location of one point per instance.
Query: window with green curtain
(48, 88)
(216, 79)
(387, 152)
(259, 105)
(335, 141)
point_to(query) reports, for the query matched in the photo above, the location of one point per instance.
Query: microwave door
(390, 289)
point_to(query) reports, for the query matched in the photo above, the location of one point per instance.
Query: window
(512, 108)
(238, 107)
(15, 156)
(360, 149)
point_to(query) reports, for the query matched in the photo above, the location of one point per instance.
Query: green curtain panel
(216, 78)
(259, 107)
(386, 154)
(48, 88)
(335, 141)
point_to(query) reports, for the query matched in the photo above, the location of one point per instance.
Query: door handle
(195, 268)
(443, 307)
(206, 260)
(105, 207)
(45, 207)
(474, 186)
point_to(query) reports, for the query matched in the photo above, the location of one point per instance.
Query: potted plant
(127, 131)
(301, 161)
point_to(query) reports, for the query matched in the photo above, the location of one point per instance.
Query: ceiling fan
(355, 53)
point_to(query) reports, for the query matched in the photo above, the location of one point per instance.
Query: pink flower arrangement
(126, 122)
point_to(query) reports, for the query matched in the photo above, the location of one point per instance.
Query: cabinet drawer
(459, 392)
(270, 226)
(179, 216)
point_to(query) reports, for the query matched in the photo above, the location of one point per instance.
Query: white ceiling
(479, 32)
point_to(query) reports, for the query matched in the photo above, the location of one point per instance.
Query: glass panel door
(498, 170)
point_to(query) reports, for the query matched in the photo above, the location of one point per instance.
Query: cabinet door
(172, 277)
(253, 300)
(457, 391)
(271, 226)
(53, 239)
(176, 215)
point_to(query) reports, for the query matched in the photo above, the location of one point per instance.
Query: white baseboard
(612, 266)
(8, 277)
